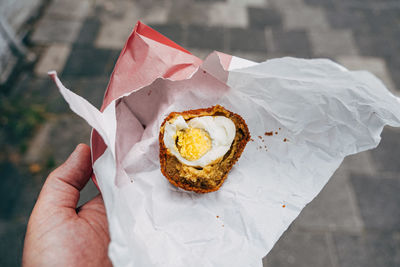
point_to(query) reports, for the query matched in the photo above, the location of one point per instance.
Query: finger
(62, 187)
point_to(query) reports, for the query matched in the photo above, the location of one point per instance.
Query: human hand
(58, 233)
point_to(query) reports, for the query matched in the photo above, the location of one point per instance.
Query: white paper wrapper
(324, 111)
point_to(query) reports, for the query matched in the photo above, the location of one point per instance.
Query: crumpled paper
(304, 116)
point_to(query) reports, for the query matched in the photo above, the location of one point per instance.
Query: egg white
(221, 130)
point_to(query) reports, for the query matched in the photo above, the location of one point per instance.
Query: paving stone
(92, 89)
(53, 58)
(89, 31)
(205, 37)
(332, 43)
(88, 62)
(41, 91)
(30, 189)
(395, 74)
(117, 25)
(123, 15)
(210, 1)
(247, 40)
(34, 153)
(392, 62)
(57, 104)
(379, 19)
(68, 9)
(259, 18)
(269, 39)
(375, 65)
(10, 189)
(129, 12)
(299, 249)
(324, 3)
(7, 61)
(156, 13)
(246, 3)
(31, 85)
(111, 8)
(387, 154)
(377, 45)
(61, 135)
(12, 236)
(392, 48)
(175, 32)
(188, 12)
(378, 199)
(52, 30)
(334, 209)
(345, 18)
(360, 163)
(229, 15)
(292, 43)
(287, 4)
(66, 133)
(368, 250)
(298, 18)
(113, 36)
(381, 44)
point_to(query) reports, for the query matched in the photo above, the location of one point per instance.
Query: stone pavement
(354, 221)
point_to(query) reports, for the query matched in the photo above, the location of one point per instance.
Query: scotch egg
(199, 141)
(199, 147)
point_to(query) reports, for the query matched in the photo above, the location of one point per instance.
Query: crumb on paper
(285, 140)
(283, 206)
(279, 128)
(217, 216)
(251, 139)
(260, 137)
(276, 132)
(269, 133)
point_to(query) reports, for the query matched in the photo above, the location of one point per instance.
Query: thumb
(62, 186)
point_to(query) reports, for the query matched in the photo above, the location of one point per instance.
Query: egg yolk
(193, 143)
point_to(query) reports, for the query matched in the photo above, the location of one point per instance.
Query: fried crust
(242, 133)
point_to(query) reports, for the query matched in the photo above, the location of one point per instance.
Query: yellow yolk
(193, 143)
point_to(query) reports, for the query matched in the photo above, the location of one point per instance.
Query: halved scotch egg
(199, 147)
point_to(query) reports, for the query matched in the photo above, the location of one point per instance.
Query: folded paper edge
(142, 30)
(97, 143)
(88, 112)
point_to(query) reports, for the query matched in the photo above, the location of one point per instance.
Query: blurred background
(354, 221)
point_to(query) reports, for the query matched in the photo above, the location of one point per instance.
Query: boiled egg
(200, 141)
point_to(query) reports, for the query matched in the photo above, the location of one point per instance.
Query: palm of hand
(58, 234)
